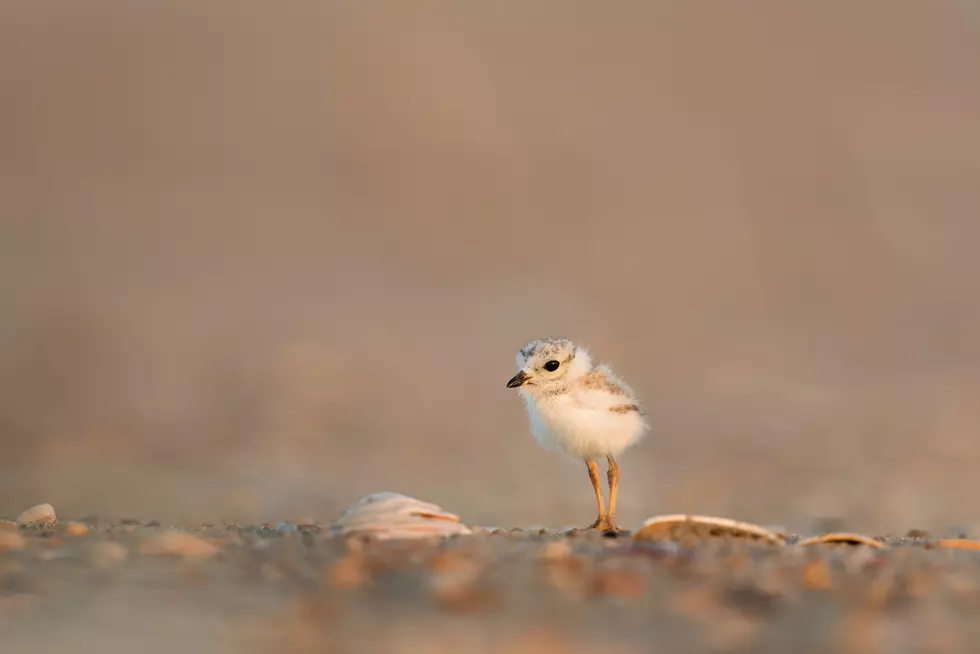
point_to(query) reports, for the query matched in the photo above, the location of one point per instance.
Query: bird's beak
(518, 380)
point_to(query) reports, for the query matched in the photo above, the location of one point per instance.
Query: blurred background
(260, 259)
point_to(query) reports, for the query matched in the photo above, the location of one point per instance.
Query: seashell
(957, 543)
(844, 538)
(687, 527)
(40, 514)
(389, 515)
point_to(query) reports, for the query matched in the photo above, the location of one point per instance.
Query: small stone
(286, 528)
(485, 529)
(152, 523)
(918, 533)
(76, 528)
(42, 513)
(177, 543)
(11, 540)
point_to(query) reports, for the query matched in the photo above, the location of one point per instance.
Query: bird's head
(547, 365)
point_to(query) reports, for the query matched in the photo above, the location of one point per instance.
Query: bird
(581, 410)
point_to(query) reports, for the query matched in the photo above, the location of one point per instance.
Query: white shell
(733, 528)
(389, 515)
(37, 514)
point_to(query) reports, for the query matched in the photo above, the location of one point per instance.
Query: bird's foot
(606, 524)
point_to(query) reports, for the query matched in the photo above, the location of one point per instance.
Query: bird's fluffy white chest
(585, 429)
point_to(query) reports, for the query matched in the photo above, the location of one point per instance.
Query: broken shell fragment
(844, 538)
(957, 543)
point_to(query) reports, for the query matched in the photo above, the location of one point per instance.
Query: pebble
(286, 528)
(11, 540)
(177, 543)
(76, 528)
(42, 513)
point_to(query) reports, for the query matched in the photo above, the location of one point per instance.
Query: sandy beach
(94, 586)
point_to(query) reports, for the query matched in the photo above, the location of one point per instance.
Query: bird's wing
(602, 389)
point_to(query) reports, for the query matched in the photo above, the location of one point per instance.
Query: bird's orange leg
(600, 522)
(613, 476)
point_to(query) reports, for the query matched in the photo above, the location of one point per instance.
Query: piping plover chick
(579, 409)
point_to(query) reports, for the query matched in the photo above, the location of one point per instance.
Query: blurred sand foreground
(101, 586)
(258, 260)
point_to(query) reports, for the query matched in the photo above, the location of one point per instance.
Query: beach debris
(956, 543)
(687, 529)
(388, 515)
(40, 514)
(844, 538)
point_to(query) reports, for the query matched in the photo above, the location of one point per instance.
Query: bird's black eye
(551, 366)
